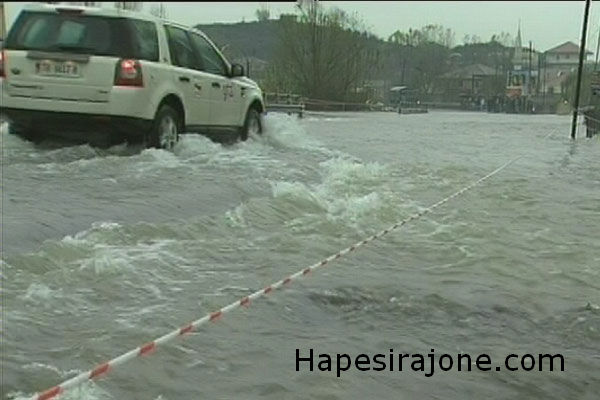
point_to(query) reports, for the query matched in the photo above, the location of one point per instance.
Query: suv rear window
(86, 34)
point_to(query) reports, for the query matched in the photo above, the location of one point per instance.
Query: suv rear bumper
(77, 125)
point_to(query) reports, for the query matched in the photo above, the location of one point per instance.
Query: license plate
(67, 69)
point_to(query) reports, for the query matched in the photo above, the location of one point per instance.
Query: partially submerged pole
(2, 22)
(597, 50)
(580, 69)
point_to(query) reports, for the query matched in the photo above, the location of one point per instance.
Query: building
(470, 84)
(557, 64)
(522, 79)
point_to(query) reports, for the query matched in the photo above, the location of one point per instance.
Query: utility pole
(2, 22)
(580, 69)
(544, 85)
(529, 72)
(597, 50)
(538, 83)
(528, 106)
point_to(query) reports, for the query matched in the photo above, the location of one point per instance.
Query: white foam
(196, 147)
(4, 128)
(349, 193)
(88, 390)
(107, 261)
(284, 131)
(235, 217)
(40, 293)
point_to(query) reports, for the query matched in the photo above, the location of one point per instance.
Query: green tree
(158, 10)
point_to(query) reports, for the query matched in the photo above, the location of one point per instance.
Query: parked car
(109, 75)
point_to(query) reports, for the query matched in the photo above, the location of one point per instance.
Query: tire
(252, 125)
(23, 132)
(166, 128)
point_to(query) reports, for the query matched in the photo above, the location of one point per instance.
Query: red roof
(566, 47)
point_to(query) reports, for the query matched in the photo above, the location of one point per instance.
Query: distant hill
(245, 39)
(255, 44)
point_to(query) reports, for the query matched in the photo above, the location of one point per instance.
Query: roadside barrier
(147, 348)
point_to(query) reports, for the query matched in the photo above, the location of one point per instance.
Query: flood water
(104, 250)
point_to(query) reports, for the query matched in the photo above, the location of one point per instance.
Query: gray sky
(546, 24)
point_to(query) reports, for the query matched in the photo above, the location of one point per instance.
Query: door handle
(198, 86)
(216, 85)
(184, 79)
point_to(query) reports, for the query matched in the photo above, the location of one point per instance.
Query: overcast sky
(546, 24)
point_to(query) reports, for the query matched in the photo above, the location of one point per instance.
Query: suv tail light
(2, 63)
(129, 73)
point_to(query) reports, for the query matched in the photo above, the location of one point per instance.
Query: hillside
(245, 39)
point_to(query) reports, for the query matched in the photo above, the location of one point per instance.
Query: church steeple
(518, 56)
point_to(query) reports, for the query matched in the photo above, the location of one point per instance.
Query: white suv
(112, 75)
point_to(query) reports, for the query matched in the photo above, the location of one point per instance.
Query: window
(145, 40)
(34, 33)
(212, 62)
(182, 54)
(59, 32)
(71, 33)
(86, 34)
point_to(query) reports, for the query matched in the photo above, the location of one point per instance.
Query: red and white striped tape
(145, 349)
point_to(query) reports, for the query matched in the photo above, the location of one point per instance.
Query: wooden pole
(544, 86)
(2, 22)
(597, 50)
(529, 72)
(580, 69)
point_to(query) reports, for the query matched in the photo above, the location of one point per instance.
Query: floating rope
(145, 349)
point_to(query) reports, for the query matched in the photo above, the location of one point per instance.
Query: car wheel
(252, 125)
(23, 132)
(165, 129)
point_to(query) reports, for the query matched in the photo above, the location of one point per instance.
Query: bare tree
(77, 3)
(159, 10)
(263, 13)
(471, 39)
(324, 54)
(503, 38)
(423, 55)
(129, 5)
(427, 34)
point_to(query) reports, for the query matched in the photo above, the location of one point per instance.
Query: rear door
(65, 55)
(186, 74)
(225, 94)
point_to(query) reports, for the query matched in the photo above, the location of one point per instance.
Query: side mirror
(237, 70)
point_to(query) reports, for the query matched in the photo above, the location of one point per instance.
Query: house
(557, 64)
(469, 83)
(566, 54)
